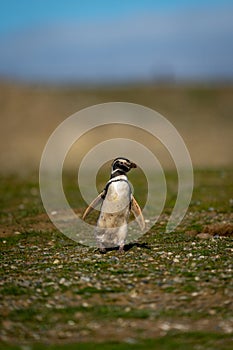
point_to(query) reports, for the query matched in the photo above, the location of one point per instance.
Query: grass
(168, 291)
(173, 341)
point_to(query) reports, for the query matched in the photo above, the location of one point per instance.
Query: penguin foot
(121, 249)
(102, 250)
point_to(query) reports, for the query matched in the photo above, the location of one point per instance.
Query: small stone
(227, 328)
(64, 335)
(85, 279)
(191, 233)
(216, 257)
(211, 209)
(204, 235)
(93, 325)
(180, 327)
(176, 260)
(7, 324)
(150, 259)
(56, 261)
(165, 326)
(212, 312)
(114, 259)
(178, 280)
(85, 305)
(78, 315)
(130, 341)
(49, 306)
(133, 294)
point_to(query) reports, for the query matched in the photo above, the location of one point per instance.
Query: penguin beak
(133, 165)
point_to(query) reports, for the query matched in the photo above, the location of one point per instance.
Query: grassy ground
(168, 291)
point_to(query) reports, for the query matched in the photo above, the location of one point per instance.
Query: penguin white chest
(111, 227)
(117, 198)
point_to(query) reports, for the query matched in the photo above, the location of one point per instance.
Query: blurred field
(168, 290)
(29, 114)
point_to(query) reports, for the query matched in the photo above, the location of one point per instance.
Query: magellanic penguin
(116, 202)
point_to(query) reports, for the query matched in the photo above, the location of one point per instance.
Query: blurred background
(58, 57)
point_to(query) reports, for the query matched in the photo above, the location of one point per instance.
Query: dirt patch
(39, 223)
(225, 230)
(213, 230)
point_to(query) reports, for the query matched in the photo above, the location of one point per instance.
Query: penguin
(116, 202)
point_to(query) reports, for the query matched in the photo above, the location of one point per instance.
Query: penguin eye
(119, 163)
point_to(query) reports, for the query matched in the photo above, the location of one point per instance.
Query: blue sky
(16, 14)
(100, 40)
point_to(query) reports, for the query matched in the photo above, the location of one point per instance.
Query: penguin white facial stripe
(114, 171)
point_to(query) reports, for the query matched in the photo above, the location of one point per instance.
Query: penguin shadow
(127, 247)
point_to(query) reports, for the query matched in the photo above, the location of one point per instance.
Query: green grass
(180, 341)
(50, 283)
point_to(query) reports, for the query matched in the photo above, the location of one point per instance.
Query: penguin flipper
(136, 210)
(93, 205)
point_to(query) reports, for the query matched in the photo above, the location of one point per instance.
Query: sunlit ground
(167, 290)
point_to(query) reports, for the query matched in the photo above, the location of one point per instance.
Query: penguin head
(122, 165)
